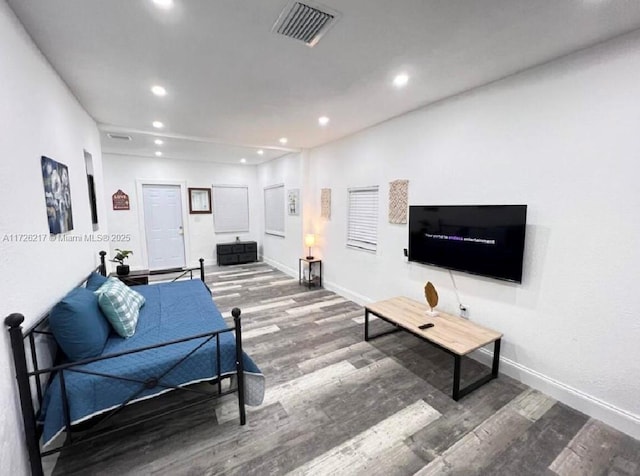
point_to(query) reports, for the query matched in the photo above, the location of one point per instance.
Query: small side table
(134, 278)
(307, 276)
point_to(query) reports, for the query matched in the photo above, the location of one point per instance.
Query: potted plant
(122, 269)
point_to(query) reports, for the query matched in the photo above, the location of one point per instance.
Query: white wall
(38, 116)
(562, 138)
(283, 252)
(125, 173)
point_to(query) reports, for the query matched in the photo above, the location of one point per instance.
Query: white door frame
(185, 217)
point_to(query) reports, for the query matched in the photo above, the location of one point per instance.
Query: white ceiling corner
(235, 86)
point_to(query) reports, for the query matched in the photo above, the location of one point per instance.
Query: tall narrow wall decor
(398, 201)
(325, 203)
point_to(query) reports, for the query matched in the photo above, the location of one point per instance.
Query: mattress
(172, 311)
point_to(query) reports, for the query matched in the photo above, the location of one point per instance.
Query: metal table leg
(456, 377)
(366, 324)
(458, 393)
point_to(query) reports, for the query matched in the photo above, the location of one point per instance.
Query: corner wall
(283, 252)
(38, 116)
(562, 138)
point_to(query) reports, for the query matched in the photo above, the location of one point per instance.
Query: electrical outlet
(464, 312)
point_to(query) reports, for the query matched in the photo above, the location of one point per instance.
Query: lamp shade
(310, 240)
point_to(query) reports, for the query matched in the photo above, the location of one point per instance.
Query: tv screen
(480, 239)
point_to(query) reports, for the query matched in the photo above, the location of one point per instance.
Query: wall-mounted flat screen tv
(487, 240)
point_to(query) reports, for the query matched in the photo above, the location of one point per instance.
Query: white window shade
(362, 225)
(230, 208)
(274, 210)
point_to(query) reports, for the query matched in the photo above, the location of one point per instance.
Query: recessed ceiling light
(158, 124)
(401, 80)
(244, 161)
(164, 4)
(158, 153)
(158, 90)
(283, 140)
(260, 152)
(158, 142)
(323, 120)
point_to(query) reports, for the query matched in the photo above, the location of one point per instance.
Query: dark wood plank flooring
(338, 405)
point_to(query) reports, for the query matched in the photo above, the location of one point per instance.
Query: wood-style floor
(338, 405)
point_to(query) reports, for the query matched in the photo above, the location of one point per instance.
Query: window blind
(230, 208)
(274, 210)
(362, 225)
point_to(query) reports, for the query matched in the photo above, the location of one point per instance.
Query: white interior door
(163, 226)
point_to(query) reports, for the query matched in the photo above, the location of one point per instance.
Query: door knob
(180, 231)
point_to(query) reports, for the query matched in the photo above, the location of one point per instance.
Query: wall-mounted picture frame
(57, 195)
(293, 201)
(199, 200)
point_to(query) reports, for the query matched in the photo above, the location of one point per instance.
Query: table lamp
(310, 240)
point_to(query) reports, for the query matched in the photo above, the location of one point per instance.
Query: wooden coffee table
(453, 334)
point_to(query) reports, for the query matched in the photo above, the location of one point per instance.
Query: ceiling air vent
(305, 22)
(118, 136)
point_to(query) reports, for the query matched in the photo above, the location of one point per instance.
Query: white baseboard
(618, 418)
(355, 297)
(285, 269)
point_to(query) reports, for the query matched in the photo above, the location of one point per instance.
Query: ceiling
(235, 87)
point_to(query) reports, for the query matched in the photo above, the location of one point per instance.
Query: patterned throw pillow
(121, 305)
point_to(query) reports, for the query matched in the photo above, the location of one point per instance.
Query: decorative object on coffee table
(121, 255)
(431, 295)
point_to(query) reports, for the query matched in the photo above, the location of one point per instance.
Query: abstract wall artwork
(325, 203)
(398, 201)
(293, 201)
(57, 195)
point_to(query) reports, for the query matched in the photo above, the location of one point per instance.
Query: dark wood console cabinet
(237, 252)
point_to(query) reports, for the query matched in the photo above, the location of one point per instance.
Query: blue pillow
(95, 281)
(78, 325)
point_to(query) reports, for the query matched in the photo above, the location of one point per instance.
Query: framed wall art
(199, 200)
(57, 195)
(293, 201)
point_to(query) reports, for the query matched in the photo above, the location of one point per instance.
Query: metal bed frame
(24, 376)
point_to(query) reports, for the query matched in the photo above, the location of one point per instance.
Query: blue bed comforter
(172, 311)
